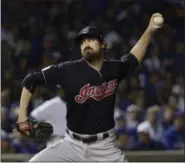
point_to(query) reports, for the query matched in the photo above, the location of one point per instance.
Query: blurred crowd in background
(149, 110)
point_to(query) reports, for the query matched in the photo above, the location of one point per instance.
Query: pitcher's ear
(104, 45)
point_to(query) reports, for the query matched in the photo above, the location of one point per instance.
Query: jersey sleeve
(53, 73)
(128, 63)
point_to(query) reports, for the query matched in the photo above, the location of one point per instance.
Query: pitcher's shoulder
(70, 63)
(112, 62)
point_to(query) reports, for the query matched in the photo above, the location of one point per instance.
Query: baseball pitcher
(90, 85)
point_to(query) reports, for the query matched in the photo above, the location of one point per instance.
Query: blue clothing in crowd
(174, 139)
(151, 145)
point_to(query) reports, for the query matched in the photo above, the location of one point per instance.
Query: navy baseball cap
(87, 32)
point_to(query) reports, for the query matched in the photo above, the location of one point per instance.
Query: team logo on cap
(96, 92)
(85, 30)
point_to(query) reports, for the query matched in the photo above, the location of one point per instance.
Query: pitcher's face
(91, 49)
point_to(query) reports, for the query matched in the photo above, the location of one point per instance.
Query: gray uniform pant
(70, 150)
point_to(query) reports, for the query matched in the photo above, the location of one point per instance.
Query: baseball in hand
(158, 20)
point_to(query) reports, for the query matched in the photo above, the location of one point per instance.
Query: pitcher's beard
(89, 56)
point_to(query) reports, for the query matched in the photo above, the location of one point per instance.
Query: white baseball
(158, 20)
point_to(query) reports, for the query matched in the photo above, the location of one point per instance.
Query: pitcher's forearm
(30, 82)
(140, 48)
(24, 102)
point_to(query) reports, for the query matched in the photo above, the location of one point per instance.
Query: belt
(88, 140)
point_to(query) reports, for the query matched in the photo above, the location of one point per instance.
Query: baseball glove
(37, 131)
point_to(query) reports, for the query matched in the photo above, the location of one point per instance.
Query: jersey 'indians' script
(96, 92)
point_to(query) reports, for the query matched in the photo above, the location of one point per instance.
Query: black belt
(89, 140)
